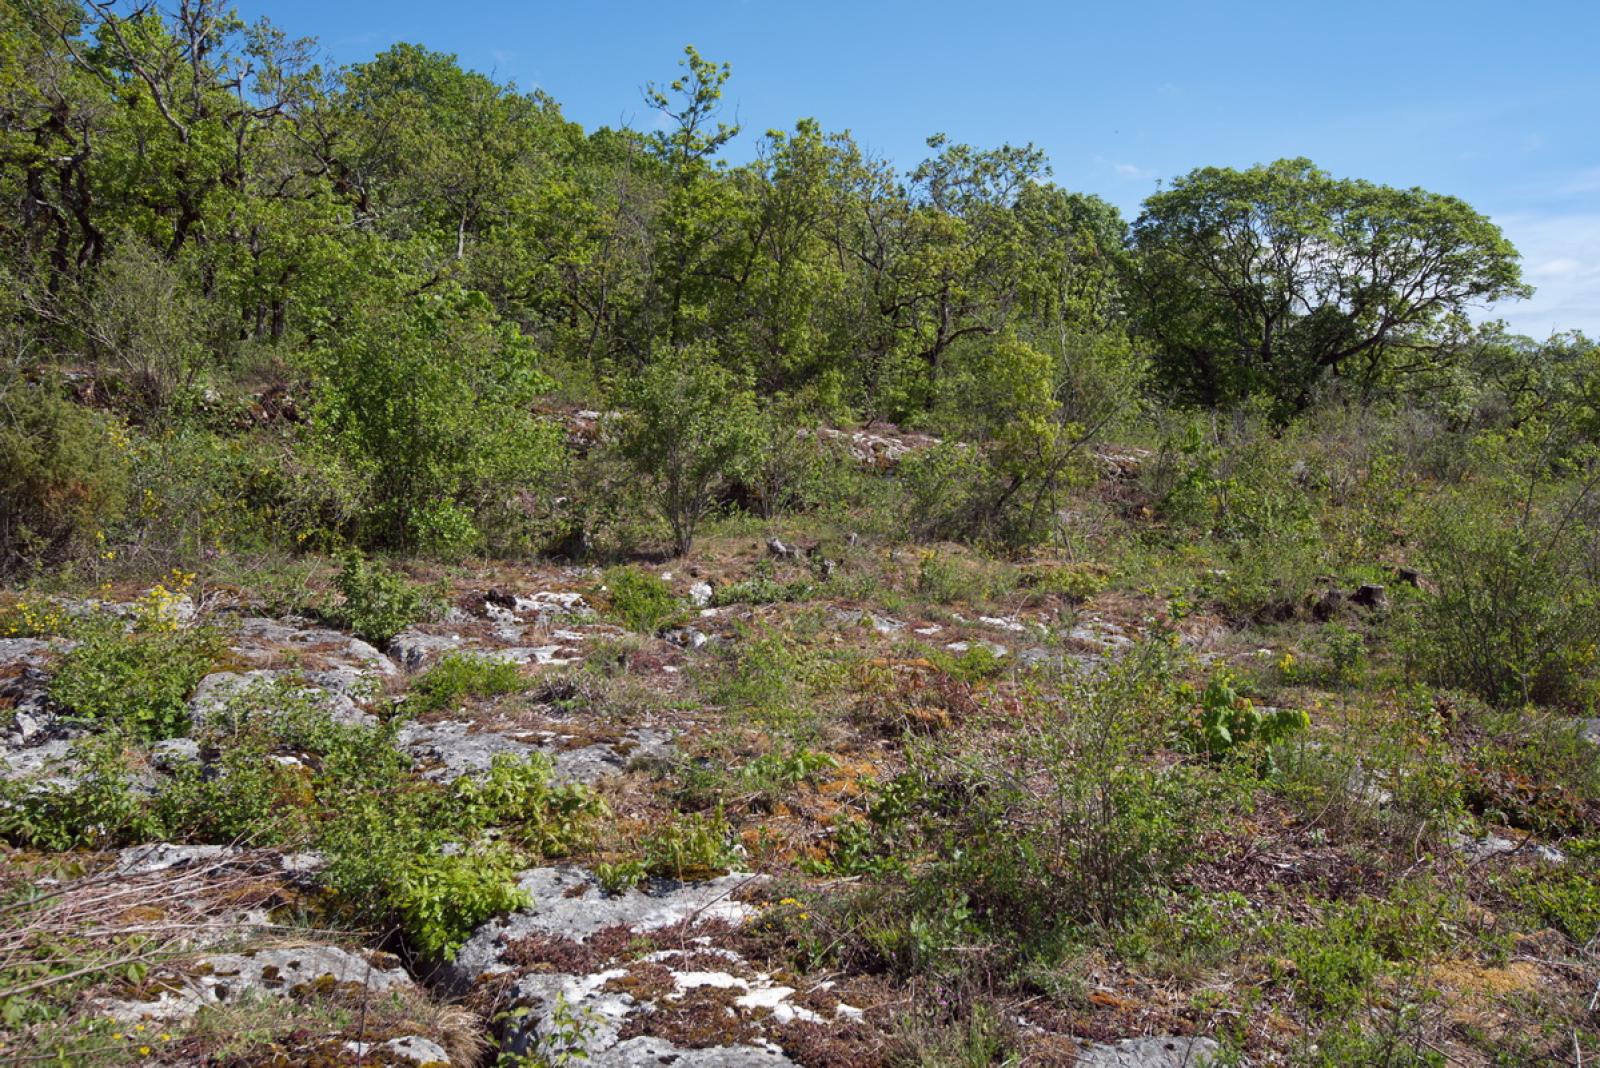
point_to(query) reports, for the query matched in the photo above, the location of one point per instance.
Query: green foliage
(762, 588)
(618, 877)
(686, 426)
(63, 474)
(1568, 901)
(459, 675)
(1244, 279)
(377, 603)
(695, 846)
(519, 796)
(641, 600)
(1227, 725)
(426, 399)
(138, 680)
(96, 807)
(1516, 616)
(442, 898)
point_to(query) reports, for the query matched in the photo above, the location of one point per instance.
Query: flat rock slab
(267, 641)
(222, 978)
(449, 749)
(413, 1048)
(1159, 1052)
(568, 902)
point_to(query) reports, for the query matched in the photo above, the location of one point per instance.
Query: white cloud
(1561, 258)
(1583, 182)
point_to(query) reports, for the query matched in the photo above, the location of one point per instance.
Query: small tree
(687, 424)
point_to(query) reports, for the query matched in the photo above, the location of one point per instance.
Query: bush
(138, 680)
(459, 675)
(691, 847)
(686, 426)
(426, 400)
(642, 601)
(63, 475)
(377, 603)
(1516, 616)
(1070, 821)
(97, 807)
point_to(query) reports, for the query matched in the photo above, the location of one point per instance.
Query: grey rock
(453, 749)
(994, 647)
(163, 856)
(568, 902)
(416, 649)
(51, 763)
(687, 637)
(1159, 1052)
(1492, 845)
(223, 978)
(1590, 730)
(216, 696)
(413, 1048)
(172, 753)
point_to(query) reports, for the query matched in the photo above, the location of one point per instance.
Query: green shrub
(442, 898)
(762, 589)
(618, 877)
(1226, 725)
(377, 603)
(139, 680)
(686, 426)
(691, 847)
(63, 475)
(1516, 616)
(640, 600)
(519, 797)
(424, 394)
(95, 807)
(459, 675)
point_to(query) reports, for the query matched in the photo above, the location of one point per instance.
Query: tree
(426, 397)
(687, 424)
(1274, 279)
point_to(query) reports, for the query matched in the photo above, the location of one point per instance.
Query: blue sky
(1496, 103)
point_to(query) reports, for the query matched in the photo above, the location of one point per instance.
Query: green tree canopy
(1274, 279)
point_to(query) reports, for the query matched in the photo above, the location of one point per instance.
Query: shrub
(691, 847)
(150, 324)
(96, 807)
(63, 474)
(1517, 615)
(377, 603)
(1226, 724)
(686, 426)
(139, 680)
(426, 399)
(459, 675)
(642, 601)
(519, 797)
(1069, 821)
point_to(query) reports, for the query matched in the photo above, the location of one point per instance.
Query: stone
(163, 856)
(962, 647)
(218, 979)
(1371, 595)
(569, 902)
(215, 695)
(451, 749)
(416, 649)
(1158, 1052)
(700, 594)
(1492, 845)
(412, 1048)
